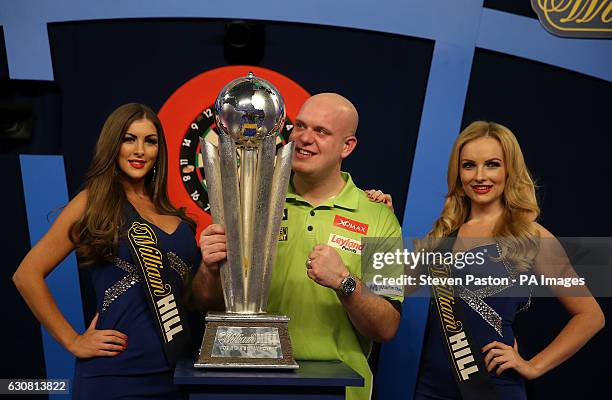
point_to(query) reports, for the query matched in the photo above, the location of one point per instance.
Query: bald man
(316, 280)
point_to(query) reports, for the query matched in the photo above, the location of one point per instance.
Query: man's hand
(373, 316)
(206, 285)
(325, 267)
(213, 246)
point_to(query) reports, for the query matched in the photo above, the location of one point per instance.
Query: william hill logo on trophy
(254, 342)
(575, 18)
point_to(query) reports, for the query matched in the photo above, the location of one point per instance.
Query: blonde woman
(491, 208)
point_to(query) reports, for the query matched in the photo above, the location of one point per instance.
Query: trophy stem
(248, 169)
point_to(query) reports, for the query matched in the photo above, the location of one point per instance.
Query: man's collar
(347, 198)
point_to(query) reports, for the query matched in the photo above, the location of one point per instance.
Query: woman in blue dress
(121, 354)
(491, 208)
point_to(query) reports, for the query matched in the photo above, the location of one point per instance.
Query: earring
(154, 172)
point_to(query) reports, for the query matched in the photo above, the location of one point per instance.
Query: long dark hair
(96, 233)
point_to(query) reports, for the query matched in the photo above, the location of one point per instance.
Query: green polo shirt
(320, 328)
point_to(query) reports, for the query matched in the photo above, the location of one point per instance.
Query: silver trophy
(247, 183)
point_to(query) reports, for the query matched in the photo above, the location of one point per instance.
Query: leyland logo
(344, 243)
(575, 18)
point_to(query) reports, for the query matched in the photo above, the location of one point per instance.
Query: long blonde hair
(515, 231)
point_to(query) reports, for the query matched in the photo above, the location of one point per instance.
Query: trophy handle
(259, 224)
(210, 157)
(232, 275)
(280, 181)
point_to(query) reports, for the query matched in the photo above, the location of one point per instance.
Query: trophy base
(246, 341)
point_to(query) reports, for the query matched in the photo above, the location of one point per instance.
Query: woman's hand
(98, 343)
(379, 196)
(501, 356)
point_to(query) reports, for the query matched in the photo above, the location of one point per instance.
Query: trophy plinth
(247, 181)
(246, 341)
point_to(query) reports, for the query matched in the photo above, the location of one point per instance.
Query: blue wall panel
(45, 193)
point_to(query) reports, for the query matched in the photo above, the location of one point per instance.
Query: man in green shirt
(316, 277)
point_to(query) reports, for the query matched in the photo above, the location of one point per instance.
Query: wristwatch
(347, 285)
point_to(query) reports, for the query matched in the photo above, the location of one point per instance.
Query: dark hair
(96, 233)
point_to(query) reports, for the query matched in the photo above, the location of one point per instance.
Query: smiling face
(323, 133)
(139, 148)
(482, 171)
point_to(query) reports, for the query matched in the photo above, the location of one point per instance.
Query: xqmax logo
(351, 225)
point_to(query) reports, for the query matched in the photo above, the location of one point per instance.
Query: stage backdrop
(417, 71)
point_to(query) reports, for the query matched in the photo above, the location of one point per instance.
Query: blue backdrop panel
(452, 21)
(4, 73)
(26, 359)
(29, 56)
(44, 187)
(446, 91)
(525, 37)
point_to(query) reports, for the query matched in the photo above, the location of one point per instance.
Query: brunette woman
(123, 353)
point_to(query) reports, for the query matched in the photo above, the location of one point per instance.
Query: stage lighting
(244, 42)
(15, 122)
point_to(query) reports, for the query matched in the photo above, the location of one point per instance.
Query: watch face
(190, 162)
(349, 285)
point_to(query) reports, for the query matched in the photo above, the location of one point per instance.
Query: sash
(465, 361)
(159, 285)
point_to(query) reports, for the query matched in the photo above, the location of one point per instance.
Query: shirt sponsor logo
(351, 225)
(346, 244)
(283, 234)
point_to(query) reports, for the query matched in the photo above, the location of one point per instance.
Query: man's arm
(373, 316)
(206, 286)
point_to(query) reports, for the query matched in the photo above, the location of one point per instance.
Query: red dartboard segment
(190, 100)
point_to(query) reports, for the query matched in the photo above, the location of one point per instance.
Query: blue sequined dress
(490, 312)
(141, 371)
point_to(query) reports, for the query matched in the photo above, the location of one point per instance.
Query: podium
(320, 380)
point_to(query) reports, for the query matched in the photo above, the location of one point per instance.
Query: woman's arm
(586, 319)
(29, 279)
(586, 315)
